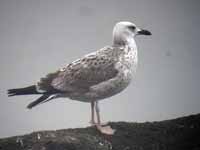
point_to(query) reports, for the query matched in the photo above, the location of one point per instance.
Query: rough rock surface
(177, 134)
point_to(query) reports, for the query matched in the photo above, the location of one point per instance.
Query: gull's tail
(33, 90)
(23, 91)
(40, 100)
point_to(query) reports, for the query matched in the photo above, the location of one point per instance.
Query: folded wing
(81, 74)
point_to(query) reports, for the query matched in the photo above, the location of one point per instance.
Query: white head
(124, 32)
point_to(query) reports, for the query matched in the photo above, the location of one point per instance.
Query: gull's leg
(103, 129)
(98, 113)
(92, 121)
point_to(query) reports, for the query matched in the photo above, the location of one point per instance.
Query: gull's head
(125, 31)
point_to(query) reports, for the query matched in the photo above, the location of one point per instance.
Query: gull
(94, 77)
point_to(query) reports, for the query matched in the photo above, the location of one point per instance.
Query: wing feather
(86, 72)
(83, 73)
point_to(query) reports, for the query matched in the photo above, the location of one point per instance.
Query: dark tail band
(23, 91)
(40, 100)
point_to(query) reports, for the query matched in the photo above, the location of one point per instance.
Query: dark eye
(131, 28)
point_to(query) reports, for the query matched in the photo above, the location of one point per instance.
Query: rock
(177, 134)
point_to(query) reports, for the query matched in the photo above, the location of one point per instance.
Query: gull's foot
(103, 123)
(93, 123)
(105, 129)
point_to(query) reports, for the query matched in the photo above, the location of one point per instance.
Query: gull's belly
(107, 88)
(111, 87)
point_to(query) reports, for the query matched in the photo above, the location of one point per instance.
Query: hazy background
(40, 36)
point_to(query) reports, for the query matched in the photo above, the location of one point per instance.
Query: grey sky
(40, 36)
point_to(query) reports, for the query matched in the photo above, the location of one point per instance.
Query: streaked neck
(129, 41)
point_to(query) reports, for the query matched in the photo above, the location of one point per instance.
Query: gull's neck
(128, 41)
(131, 43)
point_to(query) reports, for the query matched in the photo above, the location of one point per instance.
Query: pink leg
(98, 113)
(103, 129)
(92, 121)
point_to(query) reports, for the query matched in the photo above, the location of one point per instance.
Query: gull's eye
(132, 28)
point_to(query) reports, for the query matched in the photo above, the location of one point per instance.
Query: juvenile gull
(93, 77)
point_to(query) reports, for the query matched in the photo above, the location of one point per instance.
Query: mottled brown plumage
(95, 76)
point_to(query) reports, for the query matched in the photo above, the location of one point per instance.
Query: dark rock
(177, 134)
